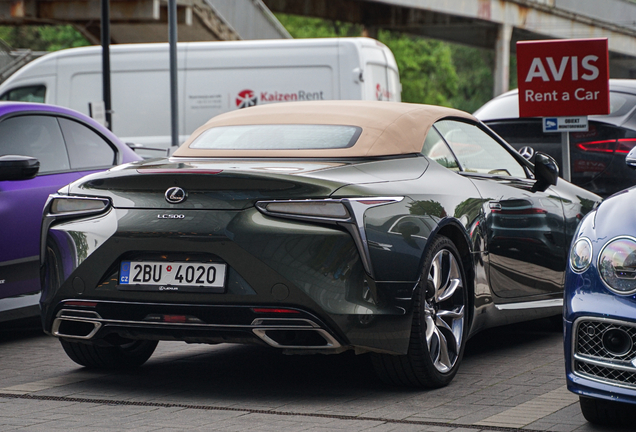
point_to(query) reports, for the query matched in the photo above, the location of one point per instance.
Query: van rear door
(381, 79)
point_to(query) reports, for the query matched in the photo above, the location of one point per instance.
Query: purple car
(42, 148)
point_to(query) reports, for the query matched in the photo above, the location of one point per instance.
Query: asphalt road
(511, 379)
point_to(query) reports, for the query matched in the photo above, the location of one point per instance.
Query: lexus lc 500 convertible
(312, 227)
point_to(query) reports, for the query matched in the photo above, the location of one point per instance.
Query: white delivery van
(213, 77)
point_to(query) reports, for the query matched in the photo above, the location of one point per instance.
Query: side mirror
(546, 172)
(630, 159)
(14, 167)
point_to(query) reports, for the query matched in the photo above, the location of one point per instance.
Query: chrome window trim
(531, 304)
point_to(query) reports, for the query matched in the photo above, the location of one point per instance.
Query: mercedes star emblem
(175, 195)
(527, 152)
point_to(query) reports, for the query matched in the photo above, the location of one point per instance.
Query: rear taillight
(623, 146)
(65, 205)
(177, 171)
(527, 211)
(80, 304)
(275, 311)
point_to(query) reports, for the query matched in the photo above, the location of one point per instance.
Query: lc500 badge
(171, 216)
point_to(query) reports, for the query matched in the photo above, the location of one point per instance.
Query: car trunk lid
(235, 184)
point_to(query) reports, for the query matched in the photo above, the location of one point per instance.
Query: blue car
(600, 310)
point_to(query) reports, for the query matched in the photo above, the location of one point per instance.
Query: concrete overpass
(491, 24)
(136, 21)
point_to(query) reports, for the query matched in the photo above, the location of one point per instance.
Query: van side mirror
(546, 172)
(630, 159)
(15, 167)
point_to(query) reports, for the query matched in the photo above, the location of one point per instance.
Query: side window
(477, 151)
(34, 93)
(86, 149)
(37, 136)
(436, 149)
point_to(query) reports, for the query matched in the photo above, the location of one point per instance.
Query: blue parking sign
(550, 124)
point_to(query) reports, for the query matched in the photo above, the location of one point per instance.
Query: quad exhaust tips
(285, 333)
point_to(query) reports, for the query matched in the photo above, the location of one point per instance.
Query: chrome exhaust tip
(76, 324)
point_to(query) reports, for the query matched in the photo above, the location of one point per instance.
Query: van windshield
(277, 137)
(34, 93)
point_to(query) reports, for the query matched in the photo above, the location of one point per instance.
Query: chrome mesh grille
(589, 339)
(588, 348)
(606, 373)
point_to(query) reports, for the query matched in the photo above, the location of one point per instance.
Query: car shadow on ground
(25, 328)
(513, 335)
(233, 371)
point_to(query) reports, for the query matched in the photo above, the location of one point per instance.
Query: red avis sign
(559, 78)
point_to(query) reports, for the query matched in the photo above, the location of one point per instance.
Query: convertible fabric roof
(388, 128)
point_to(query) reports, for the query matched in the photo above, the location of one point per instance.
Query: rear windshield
(277, 137)
(621, 104)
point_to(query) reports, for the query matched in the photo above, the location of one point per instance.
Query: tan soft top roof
(388, 128)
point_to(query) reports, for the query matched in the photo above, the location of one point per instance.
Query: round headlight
(617, 265)
(581, 255)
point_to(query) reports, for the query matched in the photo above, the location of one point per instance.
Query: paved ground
(511, 379)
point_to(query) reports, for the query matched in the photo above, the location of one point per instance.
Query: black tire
(609, 413)
(439, 329)
(126, 356)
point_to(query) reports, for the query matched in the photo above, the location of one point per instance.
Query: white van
(213, 77)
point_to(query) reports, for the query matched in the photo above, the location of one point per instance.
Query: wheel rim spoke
(456, 326)
(451, 280)
(442, 358)
(444, 313)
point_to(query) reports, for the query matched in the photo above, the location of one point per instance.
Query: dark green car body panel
(313, 267)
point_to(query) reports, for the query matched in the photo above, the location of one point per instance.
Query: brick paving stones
(511, 377)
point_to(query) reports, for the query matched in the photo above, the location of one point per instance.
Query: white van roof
(360, 42)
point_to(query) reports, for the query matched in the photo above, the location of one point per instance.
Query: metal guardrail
(13, 60)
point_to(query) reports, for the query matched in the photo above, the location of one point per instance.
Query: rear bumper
(314, 270)
(288, 328)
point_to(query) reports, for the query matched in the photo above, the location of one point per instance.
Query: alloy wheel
(444, 314)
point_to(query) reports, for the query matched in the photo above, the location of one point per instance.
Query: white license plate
(171, 276)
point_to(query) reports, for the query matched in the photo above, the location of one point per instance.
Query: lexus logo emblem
(527, 152)
(175, 195)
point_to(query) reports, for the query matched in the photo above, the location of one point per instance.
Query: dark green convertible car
(393, 229)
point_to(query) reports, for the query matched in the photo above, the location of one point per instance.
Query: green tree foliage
(426, 70)
(301, 27)
(474, 68)
(42, 38)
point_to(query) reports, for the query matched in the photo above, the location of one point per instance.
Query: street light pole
(105, 27)
(174, 102)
